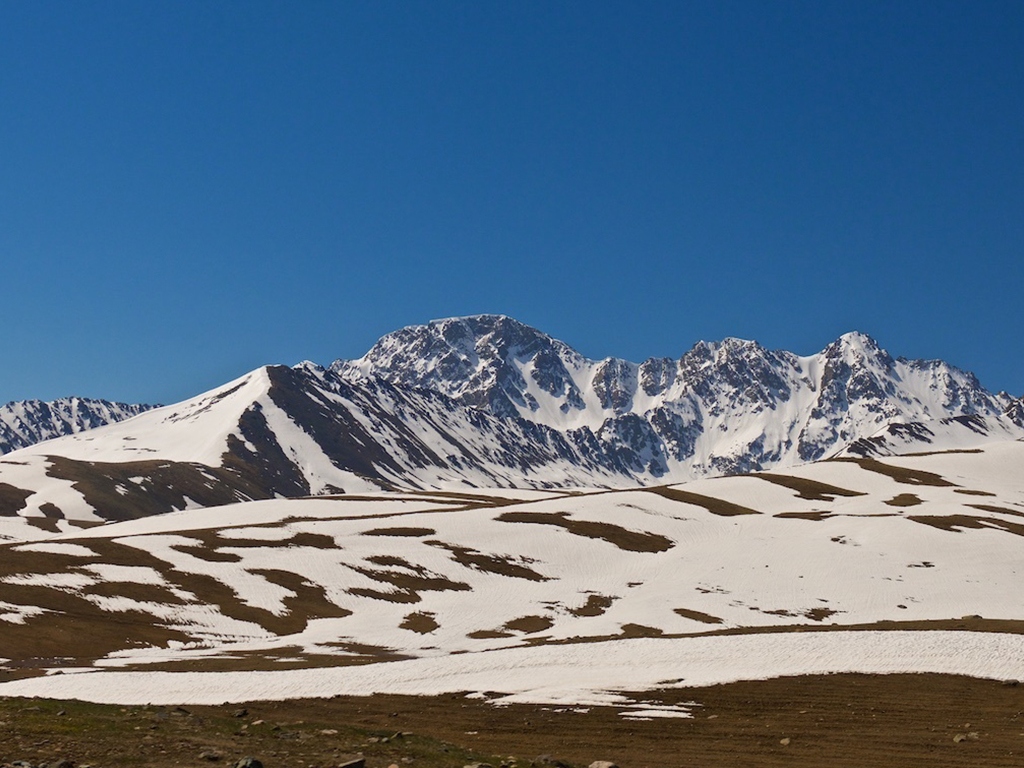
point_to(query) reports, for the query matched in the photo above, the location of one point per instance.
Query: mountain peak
(858, 341)
(856, 348)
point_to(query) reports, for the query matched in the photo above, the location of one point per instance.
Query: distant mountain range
(26, 422)
(486, 401)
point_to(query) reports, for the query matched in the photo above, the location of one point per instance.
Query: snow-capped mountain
(731, 406)
(487, 402)
(25, 422)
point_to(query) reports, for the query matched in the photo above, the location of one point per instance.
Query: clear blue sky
(189, 190)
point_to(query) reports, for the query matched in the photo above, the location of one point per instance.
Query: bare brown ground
(713, 505)
(812, 490)
(816, 515)
(503, 565)
(12, 499)
(623, 538)
(840, 721)
(901, 474)
(904, 500)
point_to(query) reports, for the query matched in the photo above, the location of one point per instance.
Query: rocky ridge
(26, 422)
(723, 407)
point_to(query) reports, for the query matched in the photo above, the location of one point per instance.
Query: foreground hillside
(605, 591)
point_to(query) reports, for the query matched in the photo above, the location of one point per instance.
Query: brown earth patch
(389, 560)
(488, 634)
(997, 510)
(475, 499)
(399, 531)
(503, 565)
(209, 554)
(704, 618)
(623, 538)
(308, 601)
(968, 492)
(74, 628)
(955, 523)
(47, 524)
(394, 596)
(900, 474)
(904, 500)
(819, 614)
(596, 605)
(12, 499)
(421, 622)
(641, 630)
(14, 562)
(213, 539)
(134, 489)
(529, 624)
(86, 632)
(311, 540)
(813, 515)
(710, 503)
(51, 511)
(408, 582)
(812, 490)
(144, 593)
(264, 661)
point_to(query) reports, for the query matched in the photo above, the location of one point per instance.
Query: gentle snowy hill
(498, 586)
(486, 402)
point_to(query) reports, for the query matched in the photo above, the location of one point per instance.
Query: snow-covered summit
(724, 406)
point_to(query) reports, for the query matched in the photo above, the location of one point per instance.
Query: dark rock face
(26, 422)
(1015, 412)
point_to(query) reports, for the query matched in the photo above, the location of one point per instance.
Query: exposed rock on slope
(25, 422)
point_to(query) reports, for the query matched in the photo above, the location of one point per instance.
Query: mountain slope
(486, 402)
(26, 422)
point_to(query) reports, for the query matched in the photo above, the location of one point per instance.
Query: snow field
(589, 674)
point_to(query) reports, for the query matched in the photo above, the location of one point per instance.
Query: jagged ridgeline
(486, 401)
(26, 422)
